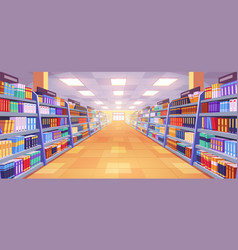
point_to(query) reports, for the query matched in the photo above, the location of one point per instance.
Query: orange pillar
(196, 79)
(40, 79)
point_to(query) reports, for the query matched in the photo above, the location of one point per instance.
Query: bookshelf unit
(103, 120)
(143, 119)
(93, 120)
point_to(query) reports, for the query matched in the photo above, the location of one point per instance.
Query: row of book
(159, 113)
(222, 145)
(56, 148)
(228, 125)
(51, 100)
(157, 137)
(181, 134)
(224, 106)
(188, 122)
(184, 110)
(15, 106)
(52, 111)
(180, 101)
(159, 107)
(53, 122)
(157, 128)
(217, 165)
(77, 113)
(219, 90)
(17, 144)
(184, 149)
(50, 136)
(158, 120)
(19, 165)
(16, 89)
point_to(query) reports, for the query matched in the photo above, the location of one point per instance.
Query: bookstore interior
(143, 125)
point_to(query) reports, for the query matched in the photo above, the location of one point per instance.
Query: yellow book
(216, 144)
(12, 126)
(3, 148)
(221, 146)
(222, 125)
(10, 148)
(219, 124)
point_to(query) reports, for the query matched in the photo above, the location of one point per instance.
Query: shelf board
(78, 124)
(52, 116)
(26, 132)
(18, 114)
(16, 98)
(157, 124)
(56, 140)
(227, 97)
(218, 133)
(220, 154)
(175, 138)
(54, 128)
(95, 132)
(210, 173)
(183, 115)
(155, 140)
(184, 105)
(51, 105)
(29, 171)
(77, 116)
(83, 111)
(178, 154)
(142, 122)
(141, 132)
(183, 128)
(79, 132)
(223, 114)
(81, 140)
(13, 156)
(57, 154)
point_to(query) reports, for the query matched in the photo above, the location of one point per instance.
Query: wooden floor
(118, 151)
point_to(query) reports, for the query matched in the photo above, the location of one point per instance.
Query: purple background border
(118, 36)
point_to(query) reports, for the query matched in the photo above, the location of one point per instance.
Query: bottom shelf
(180, 155)
(57, 154)
(210, 173)
(95, 132)
(81, 140)
(142, 132)
(155, 140)
(29, 171)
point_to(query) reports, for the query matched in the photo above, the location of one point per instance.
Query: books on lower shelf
(53, 135)
(181, 134)
(157, 137)
(53, 122)
(56, 148)
(182, 148)
(188, 122)
(228, 125)
(19, 165)
(217, 165)
(75, 120)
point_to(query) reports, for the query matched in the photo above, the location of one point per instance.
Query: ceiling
(137, 83)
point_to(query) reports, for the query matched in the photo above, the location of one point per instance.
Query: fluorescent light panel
(118, 102)
(150, 92)
(118, 92)
(86, 93)
(165, 81)
(118, 82)
(104, 107)
(99, 102)
(72, 81)
(137, 102)
(131, 107)
(118, 107)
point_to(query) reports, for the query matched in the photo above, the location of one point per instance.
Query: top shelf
(16, 98)
(51, 105)
(227, 97)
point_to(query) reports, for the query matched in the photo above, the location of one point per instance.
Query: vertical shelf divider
(39, 126)
(198, 124)
(166, 125)
(148, 124)
(69, 123)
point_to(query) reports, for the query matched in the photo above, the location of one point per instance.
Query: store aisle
(118, 151)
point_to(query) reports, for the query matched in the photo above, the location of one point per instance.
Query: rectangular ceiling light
(137, 102)
(86, 93)
(164, 81)
(118, 92)
(150, 92)
(118, 107)
(104, 107)
(99, 102)
(118, 82)
(72, 81)
(131, 107)
(118, 102)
